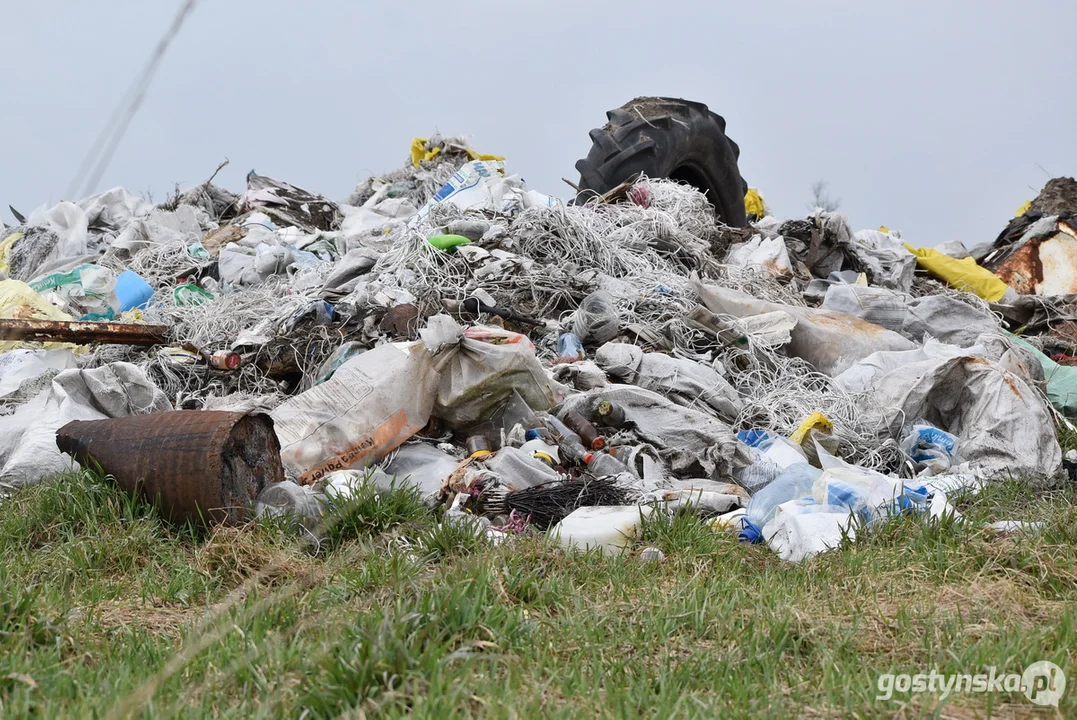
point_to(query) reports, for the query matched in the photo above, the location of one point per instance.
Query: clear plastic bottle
(604, 464)
(301, 504)
(571, 445)
(794, 482)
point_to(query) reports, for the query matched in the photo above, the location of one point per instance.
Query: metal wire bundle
(550, 504)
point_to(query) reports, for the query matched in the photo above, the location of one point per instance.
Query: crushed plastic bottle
(794, 482)
(298, 503)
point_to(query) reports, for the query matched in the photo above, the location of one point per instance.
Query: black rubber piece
(667, 138)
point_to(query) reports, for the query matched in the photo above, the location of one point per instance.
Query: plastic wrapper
(596, 321)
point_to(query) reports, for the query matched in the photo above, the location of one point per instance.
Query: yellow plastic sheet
(19, 301)
(5, 251)
(420, 154)
(883, 228)
(1023, 209)
(962, 274)
(753, 203)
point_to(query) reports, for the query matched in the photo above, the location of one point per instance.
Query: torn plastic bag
(291, 205)
(768, 253)
(19, 366)
(931, 448)
(938, 316)
(867, 494)
(483, 185)
(804, 528)
(693, 443)
(954, 248)
(867, 374)
(28, 451)
(596, 320)
(1004, 426)
(890, 265)
(519, 470)
(772, 455)
(831, 341)
(816, 290)
(376, 214)
(348, 270)
(583, 375)
(685, 382)
(423, 467)
(486, 365)
(371, 405)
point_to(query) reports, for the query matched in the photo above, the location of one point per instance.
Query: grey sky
(929, 117)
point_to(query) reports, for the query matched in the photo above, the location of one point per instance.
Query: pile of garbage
(530, 365)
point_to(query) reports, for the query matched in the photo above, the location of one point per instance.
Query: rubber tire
(674, 138)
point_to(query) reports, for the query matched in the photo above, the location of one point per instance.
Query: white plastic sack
(518, 470)
(953, 248)
(831, 341)
(1004, 426)
(485, 366)
(941, 317)
(804, 528)
(371, 405)
(28, 451)
(18, 366)
(583, 375)
(377, 213)
(685, 382)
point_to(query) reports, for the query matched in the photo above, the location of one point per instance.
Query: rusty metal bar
(83, 332)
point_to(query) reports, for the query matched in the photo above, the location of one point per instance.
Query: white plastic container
(610, 527)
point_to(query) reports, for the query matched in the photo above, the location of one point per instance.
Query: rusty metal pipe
(83, 332)
(197, 464)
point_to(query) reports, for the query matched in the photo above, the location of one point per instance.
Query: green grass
(106, 611)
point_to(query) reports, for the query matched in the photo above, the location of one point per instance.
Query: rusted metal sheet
(1040, 264)
(83, 333)
(197, 464)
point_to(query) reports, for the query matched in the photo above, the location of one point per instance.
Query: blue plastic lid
(533, 434)
(749, 533)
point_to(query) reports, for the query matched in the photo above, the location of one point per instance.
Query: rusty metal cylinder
(196, 464)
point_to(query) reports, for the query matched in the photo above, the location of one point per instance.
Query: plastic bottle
(299, 503)
(570, 443)
(604, 464)
(796, 481)
(589, 435)
(610, 415)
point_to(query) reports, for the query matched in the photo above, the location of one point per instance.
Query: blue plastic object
(569, 345)
(753, 438)
(749, 533)
(132, 291)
